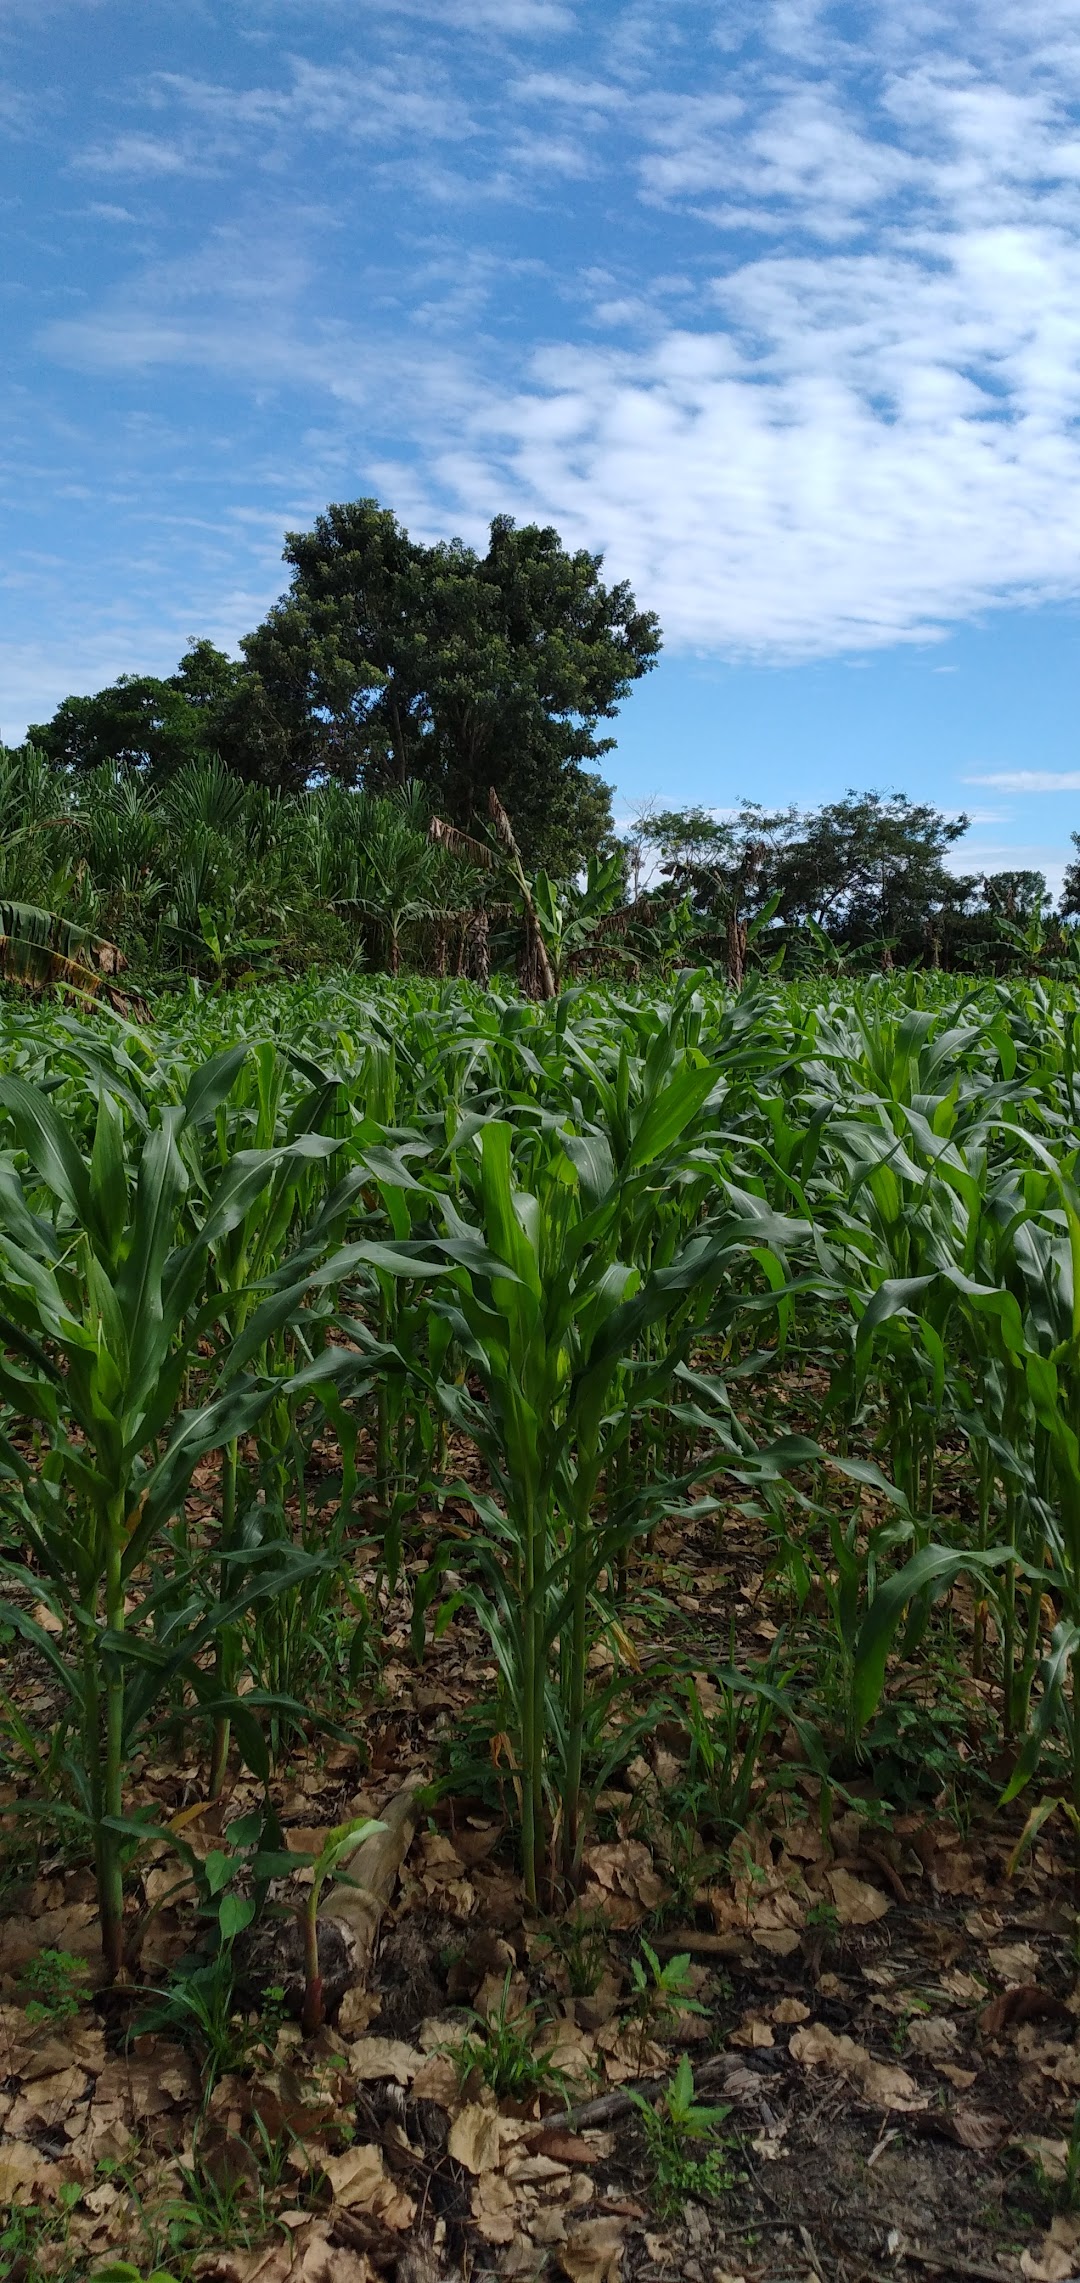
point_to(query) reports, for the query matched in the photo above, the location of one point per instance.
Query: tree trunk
(537, 973)
(476, 957)
(736, 951)
(348, 1921)
(352, 1913)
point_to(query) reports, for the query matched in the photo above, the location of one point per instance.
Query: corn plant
(555, 1326)
(105, 1317)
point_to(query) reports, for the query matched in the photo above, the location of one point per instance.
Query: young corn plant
(105, 1319)
(556, 1326)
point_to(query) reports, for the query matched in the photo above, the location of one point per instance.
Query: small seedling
(916, 2009)
(501, 2050)
(122, 2271)
(58, 1982)
(1072, 2164)
(35, 2239)
(659, 1994)
(677, 2126)
(1059, 2175)
(340, 1841)
(581, 1942)
(199, 2006)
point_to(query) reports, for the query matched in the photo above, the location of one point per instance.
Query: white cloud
(1048, 857)
(405, 101)
(802, 159)
(551, 154)
(528, 16)
(147, 155)
(99, 210)
(1030, 780)
(865, 422)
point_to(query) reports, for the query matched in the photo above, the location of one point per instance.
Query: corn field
(503, 1293)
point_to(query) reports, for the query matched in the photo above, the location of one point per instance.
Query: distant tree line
(860, 882)
(401, 768)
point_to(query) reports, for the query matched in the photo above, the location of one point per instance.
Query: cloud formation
(1030, 780)
(778, 304)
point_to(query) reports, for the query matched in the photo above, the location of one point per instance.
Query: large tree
(388, 660)
(213, 707)
(872, 867)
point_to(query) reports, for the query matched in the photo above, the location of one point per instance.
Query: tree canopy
(869, 868)
(388, 661)
(212, 708)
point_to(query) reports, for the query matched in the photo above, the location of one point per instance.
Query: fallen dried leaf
(356, 2177)
(1056, 2258)
(358, 2008)
(573, 2148)
(879, 2081)
(474, 2138)
(494, 2208)
(1051, 2156)
(933, 2040)
(978, 2129)
(753, 2034)
(359, 2182)
(857, 1902)
(592, 2252)
(20, 2166)
(437, 2080)
(1014, 1961)
(373, 2059)
(1022, 2001)
(500, 1993)
(625, 1885)
(306, 2257)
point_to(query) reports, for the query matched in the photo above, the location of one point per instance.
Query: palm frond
(458, 843)
(39, 948)
(504, 830)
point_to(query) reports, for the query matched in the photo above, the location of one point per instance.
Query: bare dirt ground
(887, 2011)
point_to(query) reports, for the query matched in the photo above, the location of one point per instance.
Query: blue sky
(776, 302)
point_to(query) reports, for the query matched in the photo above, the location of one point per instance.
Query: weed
(825, 1916)
(222, 2211)
(1060, 2180)
(501, 2049)
(122, 2271)
(199, 2008)
(662, 1993)
(688, 2162)
(58, 1983)
(34, 2242)
(581, 1943)
(916, 2009)
(1071, 2188)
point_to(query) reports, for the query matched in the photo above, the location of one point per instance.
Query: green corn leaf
(932, 1566)
(49, 1146)
(210, 1085)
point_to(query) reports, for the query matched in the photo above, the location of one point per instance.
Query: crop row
(399, 1246)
